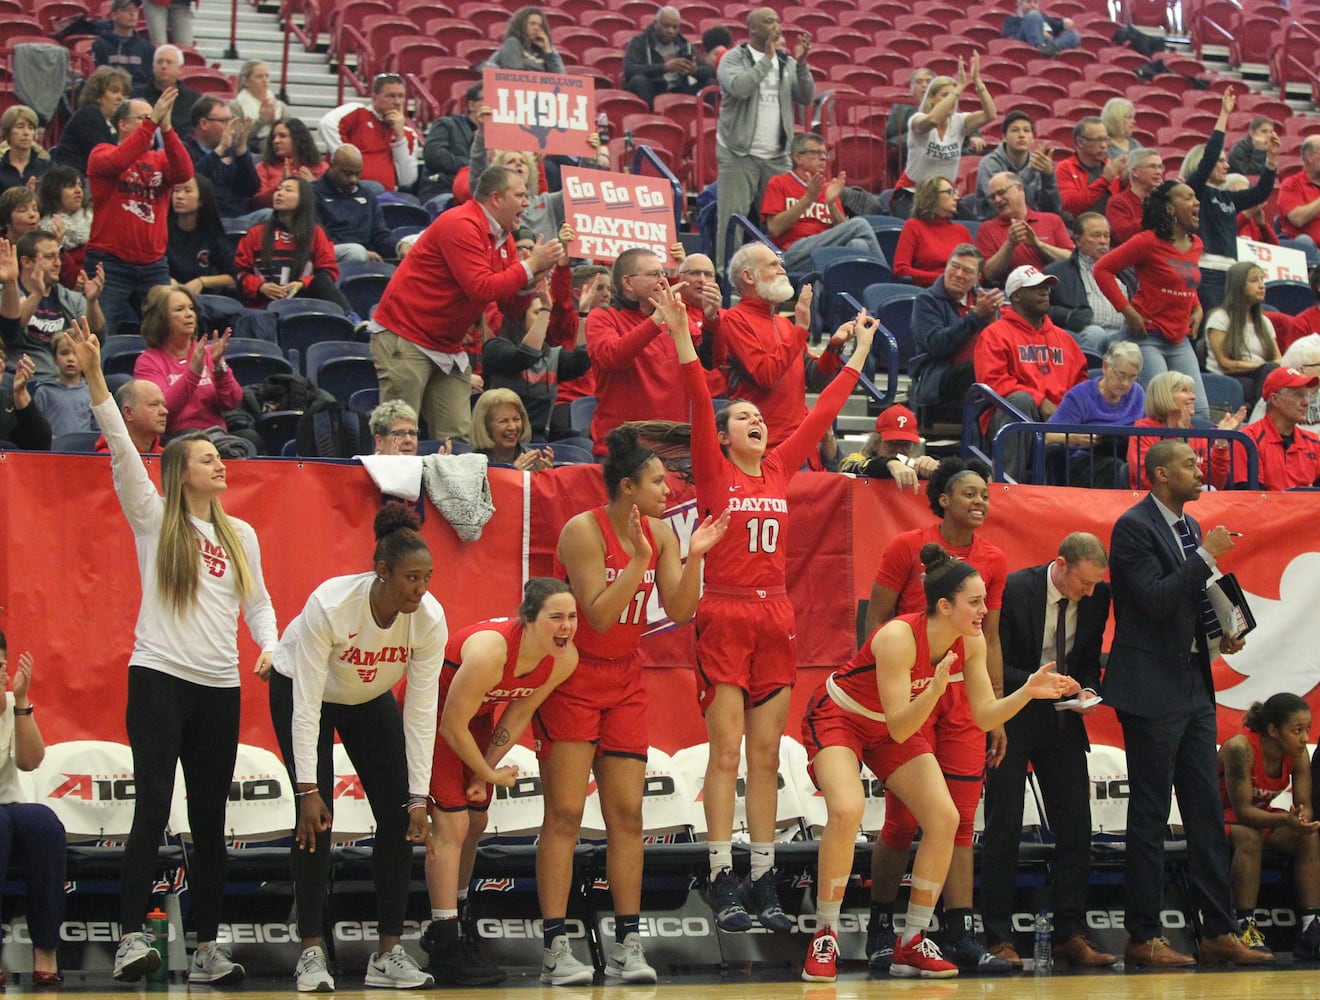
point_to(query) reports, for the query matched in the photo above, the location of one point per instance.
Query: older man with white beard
(767, 354)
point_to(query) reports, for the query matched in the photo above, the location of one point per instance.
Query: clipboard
(1231, 607)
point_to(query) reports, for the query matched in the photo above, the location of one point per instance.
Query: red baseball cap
(897, 424)
(1287, 378)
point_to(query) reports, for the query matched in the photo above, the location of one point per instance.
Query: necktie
(1209, 620)
(1061, 638)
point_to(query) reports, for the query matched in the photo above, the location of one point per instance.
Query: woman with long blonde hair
(199, 568)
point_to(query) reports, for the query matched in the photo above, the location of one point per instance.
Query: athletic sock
(763, 860)
(552, 929)
(623, 926)
(918, 919)
(721, 856)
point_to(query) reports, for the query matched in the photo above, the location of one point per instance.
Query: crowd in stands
(241, 211)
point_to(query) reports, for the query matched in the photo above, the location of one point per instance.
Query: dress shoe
(1080, 951)
(1155, 953)
(1004, 950)
(1231, 948)
(46, 978)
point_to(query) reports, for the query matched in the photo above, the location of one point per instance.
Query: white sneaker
(396, 970)
(135, 957)
(627, 962)
(560, 967)
(212, 965)
(313, 974)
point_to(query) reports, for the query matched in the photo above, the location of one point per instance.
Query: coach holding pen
(1159, 682)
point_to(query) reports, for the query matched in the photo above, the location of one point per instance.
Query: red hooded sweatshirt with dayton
(131, 187)
(1012, 356)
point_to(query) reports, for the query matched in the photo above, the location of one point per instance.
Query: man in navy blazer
(1158, 680)
(1053, 742)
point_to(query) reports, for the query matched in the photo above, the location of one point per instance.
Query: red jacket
(1124, 215)
(1078, 192)
(443, 285)
(1012, 356)
(1280, 468)
(131, 187)
(924, 249)
(767, 364)
(248, 265)
(364, 129)
(637, 371)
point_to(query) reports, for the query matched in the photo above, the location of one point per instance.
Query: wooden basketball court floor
(759, 984)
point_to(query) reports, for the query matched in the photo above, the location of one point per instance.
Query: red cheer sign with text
(550, 113)
(611, 213)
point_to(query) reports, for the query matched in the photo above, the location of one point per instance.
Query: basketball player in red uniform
(617, 557)
(746, 654)
(515, 662)
(875, 710)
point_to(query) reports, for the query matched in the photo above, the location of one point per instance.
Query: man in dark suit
(1052, 613)
(1159, 681)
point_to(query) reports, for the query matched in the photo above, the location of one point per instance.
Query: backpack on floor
(331, 429)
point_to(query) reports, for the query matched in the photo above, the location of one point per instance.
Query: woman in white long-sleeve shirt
(199, 568)
(335, 666)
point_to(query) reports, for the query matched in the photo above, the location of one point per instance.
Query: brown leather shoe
(1231, 948)
(1004, 950)
(1155, 953)
(1078, 950)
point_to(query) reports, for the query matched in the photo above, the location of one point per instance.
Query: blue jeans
(125, 286)
(1158, 355)
(1033, 33)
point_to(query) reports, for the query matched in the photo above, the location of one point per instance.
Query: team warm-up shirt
(335, 652)
(752, 555)
(623, 638)
(199, 644)
(511, 687)
(901, 570)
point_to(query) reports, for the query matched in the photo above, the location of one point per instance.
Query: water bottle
(158, 925)
(1043, 951)
(603, 127)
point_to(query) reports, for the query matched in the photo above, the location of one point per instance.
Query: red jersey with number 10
(623, 638)
(752, 555)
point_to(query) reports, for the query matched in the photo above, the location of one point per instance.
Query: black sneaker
(1307, 946)
(722, 894)
(761, 897)
(455, 961)
(880, 940)
(967, 952)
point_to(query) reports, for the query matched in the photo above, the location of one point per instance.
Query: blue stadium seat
(119, 354)
(253, 360)
(340, 367)
(299, 331)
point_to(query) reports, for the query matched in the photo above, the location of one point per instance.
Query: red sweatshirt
(131, 187)
(1166, 282)
(766, 364)
(1013, 356)
(445, 282)
(248, 261)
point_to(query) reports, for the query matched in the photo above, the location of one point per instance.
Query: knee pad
(966, 794)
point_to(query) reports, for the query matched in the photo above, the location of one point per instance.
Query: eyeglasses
(1000, 192)
(1119, 376)
(696, 273)
(221, 121)
(402, 432)
(814, 152)
(1094, 138)
(952, 191)
(653, 275)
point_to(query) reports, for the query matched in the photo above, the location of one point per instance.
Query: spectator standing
(121, 47)
(170, 22)
(464, 260)
(131, 186)
(801, 208)
(381, 132)
(1019, 153)
(1249, 153)
(1163, 314)
(661, 61)
(1145, 172)
(929, 238)
(759, 83)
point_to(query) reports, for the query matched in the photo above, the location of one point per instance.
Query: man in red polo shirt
(465, 260)
(1018, 236)
(1289, 454)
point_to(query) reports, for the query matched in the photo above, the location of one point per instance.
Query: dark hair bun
(622, 440)
(394, 517)
(933, 556)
